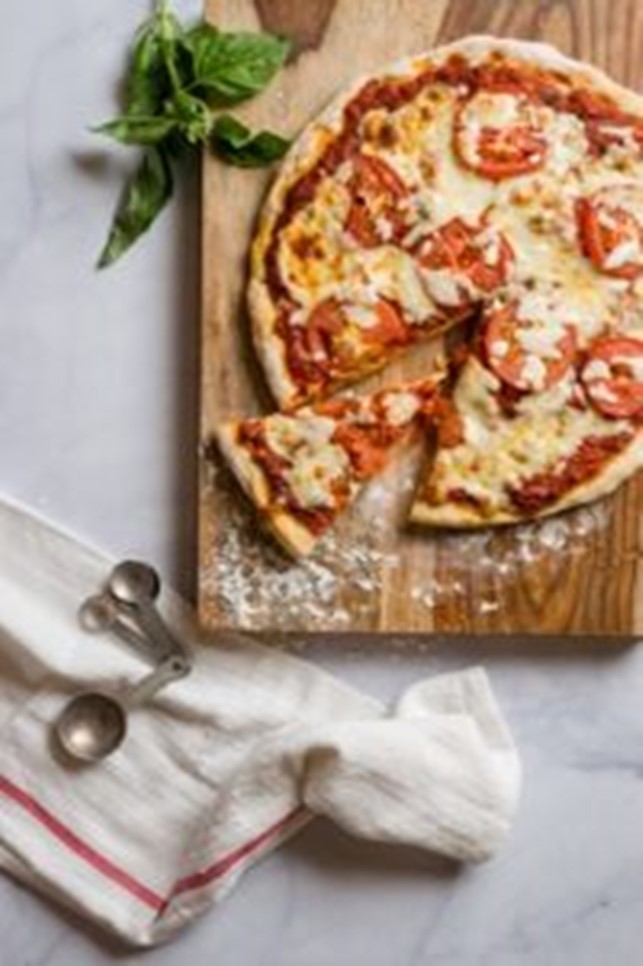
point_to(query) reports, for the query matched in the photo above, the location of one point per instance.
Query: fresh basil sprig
(236, 144)
(177, 79)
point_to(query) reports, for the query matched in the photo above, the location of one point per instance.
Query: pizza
(496, 187)
(302, 468)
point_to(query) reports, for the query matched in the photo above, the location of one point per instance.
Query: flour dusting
(338, 588)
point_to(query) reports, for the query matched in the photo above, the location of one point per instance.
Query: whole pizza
(492, 185)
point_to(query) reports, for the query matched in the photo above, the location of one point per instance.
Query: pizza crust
(310, 144)
(457, 516)
(289, 532)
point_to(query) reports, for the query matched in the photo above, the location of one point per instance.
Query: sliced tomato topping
(603, 135)
(325, 321)
(310, 347)
(613, 377)
(390, 328)
(496, 136)
(361, 225)
(336, 408)
(522, 353)
(448, 422)
(610, 235)
(375, 191)
(472, 253)
(605, 123)
(374, 176)
(327, 345)
(367, 454)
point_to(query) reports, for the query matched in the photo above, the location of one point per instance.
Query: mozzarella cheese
(629, 250)
(286, 434)
(313, 474)
(499, 453)
(400, 407)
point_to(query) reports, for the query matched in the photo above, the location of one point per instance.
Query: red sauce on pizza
(252, 436)
(541, 490)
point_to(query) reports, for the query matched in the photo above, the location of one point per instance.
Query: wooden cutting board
(580, 573)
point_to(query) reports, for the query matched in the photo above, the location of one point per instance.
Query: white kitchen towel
(221, 766)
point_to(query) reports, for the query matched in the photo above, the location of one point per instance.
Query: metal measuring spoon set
(94, 724)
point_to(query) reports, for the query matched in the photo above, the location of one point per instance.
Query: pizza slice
(538, 422)
(302, 468)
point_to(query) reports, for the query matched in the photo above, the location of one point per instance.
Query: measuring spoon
(101, 613)
(135, 586)
(93, 725)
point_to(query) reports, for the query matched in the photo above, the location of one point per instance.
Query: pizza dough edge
(455, 516)
(292, 535)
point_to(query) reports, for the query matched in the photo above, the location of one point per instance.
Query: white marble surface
(97, 430)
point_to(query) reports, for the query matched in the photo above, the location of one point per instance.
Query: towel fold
(221, 766)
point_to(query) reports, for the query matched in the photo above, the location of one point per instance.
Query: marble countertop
(98, 387)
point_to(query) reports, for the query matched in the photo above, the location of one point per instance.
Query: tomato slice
(361, 225)
(390, 328)
(325, 321)
(605, 124)
(613, 377)
(375, 190)
(497, 136)
(373, 175)
(367, 454)
(322, 348)
(522, 352)
(609, 233)
(477, 254)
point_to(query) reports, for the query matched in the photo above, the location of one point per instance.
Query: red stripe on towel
(100, 863)
(76, 845)
(197, 880)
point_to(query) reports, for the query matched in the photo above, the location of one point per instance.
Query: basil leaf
(192, 116)
(145, 195)
(171, 39)
(230, 67)
(235, 143)
(147, 82)
(145, 131)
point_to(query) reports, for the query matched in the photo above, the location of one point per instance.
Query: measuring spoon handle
(145, 614)
(171, 669)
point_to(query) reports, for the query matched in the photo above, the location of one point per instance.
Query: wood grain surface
(579, 574)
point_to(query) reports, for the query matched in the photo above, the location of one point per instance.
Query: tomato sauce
(543, 489)
(316, 520)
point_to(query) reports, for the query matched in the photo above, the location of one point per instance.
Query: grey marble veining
(97, 430)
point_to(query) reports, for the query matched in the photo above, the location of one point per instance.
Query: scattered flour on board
(256, 586)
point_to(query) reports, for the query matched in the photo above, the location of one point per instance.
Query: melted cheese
(386, 272)
(400, 407)
(287, 434)
(313, 474)
(498, 452)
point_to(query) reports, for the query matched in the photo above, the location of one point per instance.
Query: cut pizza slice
(536, 424)
(302, 468)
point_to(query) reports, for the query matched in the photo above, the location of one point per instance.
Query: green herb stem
(178, 80)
